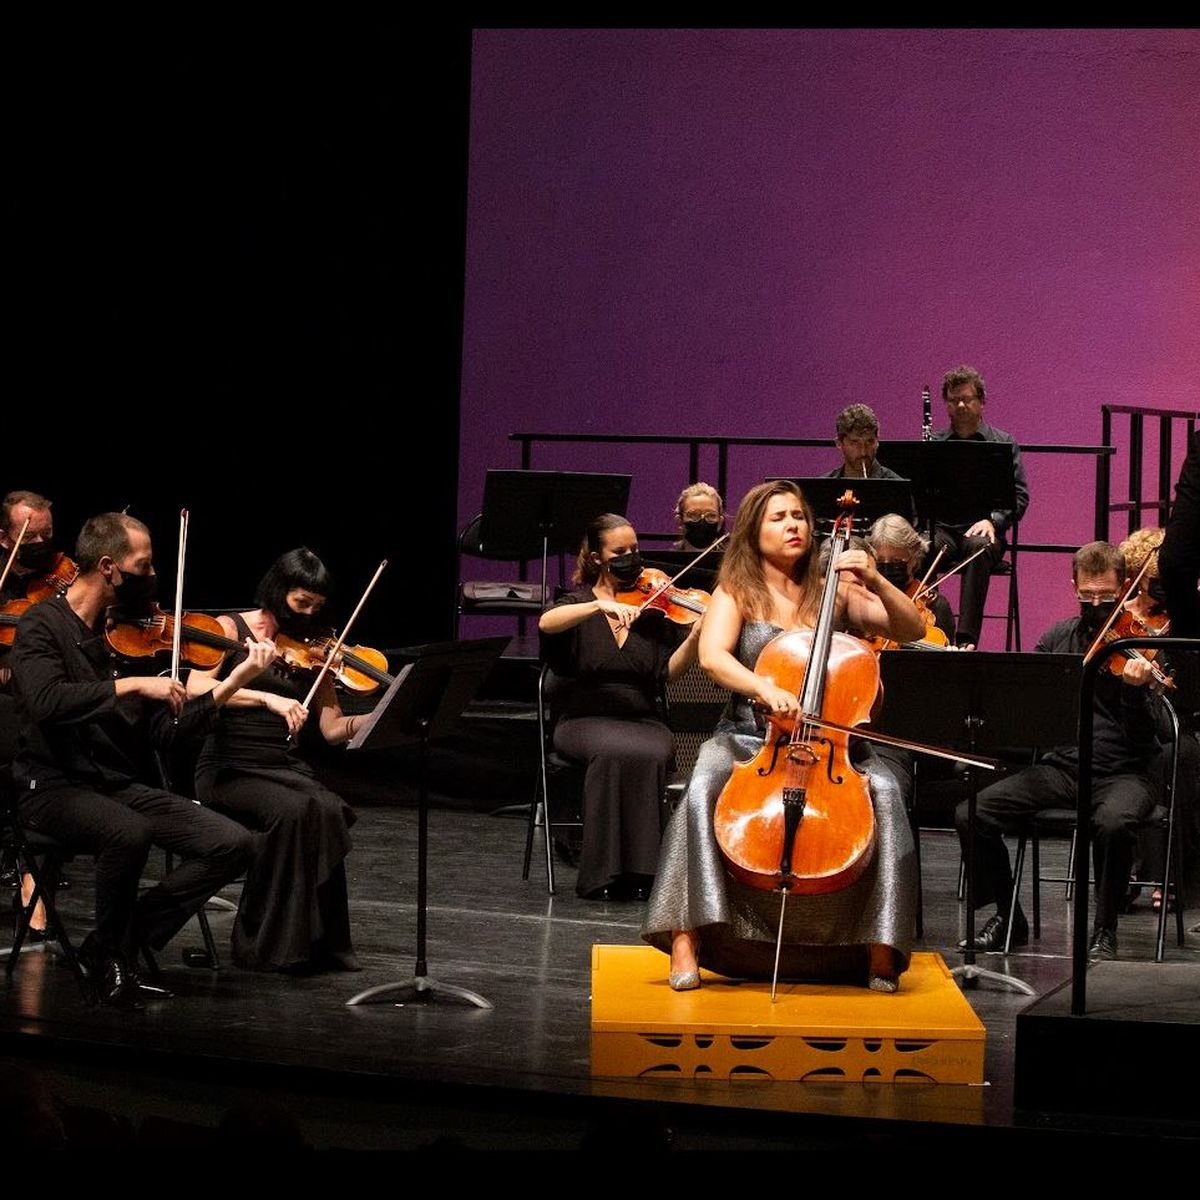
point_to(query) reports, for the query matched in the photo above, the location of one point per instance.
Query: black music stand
(423, 704)
(955, 481)
(702, 575)
(530, 513)
(986, 702)
(876, 497)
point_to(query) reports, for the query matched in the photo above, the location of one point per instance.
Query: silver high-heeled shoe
(683, 981)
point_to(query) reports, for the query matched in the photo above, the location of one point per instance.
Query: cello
(798, 817)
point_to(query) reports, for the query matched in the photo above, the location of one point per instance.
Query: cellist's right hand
(779, 702)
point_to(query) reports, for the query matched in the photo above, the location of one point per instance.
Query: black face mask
(37, 556)
(625, 568)
(296, 624)
(701, 534)
(896, 573)
(135, 592)
(1093, 616)
(1157, 592)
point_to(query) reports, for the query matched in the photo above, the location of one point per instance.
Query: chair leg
(1014, 899)
(1069, 891)
(1036, 883)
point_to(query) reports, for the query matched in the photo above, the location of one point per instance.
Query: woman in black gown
(293, 913)
(616, 658)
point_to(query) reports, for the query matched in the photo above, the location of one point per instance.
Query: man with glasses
(965, 395)
(1124, 728)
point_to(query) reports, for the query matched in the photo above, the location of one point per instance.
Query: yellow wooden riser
(926, 1032)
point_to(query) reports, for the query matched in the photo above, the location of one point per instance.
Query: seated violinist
(615, 657)
(294, 913)
(700, 517)
(1125, 745)
(899, 552)
(699, 913)
(1147, 605)
(86, 731)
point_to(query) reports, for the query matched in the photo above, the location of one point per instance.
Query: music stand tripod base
(969, 972)
(424, 703)
(422, 988)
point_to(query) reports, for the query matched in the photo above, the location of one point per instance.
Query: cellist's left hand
(860, 566)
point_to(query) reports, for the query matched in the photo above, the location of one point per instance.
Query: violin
(798, 816)
(204, 642)
(10, 614)
(933, 639)
(53, 581)
(1129, 624)
(654, 590)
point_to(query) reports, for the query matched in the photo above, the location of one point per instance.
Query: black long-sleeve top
(1001, 519)
(1125, 721)
(72, 726)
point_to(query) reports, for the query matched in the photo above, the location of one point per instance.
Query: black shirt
(72, 727)
(1124, 722)
(1000, 518)
(611, 680)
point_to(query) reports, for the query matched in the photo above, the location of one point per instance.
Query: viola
(933, 639)
(798, 816)
(204, 642)
(654, 590)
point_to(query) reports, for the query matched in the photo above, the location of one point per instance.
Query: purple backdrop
(739, 232)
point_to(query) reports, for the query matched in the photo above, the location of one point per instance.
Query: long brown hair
(742, 567)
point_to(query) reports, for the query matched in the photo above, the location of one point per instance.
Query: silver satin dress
(824, 937)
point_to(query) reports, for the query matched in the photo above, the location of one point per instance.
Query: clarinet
(926, 419)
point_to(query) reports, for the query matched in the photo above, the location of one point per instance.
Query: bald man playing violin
(86, 733)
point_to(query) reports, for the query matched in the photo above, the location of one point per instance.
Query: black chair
(1160, 822)
(489, 597)
(1006, 568)
(559, 786)
(560, 779)
(694, 704)
(41, 857)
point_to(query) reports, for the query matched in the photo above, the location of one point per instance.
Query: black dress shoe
(148, 988)
(115, 985)
(992, 936)
(1104, 945)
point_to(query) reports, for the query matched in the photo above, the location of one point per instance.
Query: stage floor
(514, 1076)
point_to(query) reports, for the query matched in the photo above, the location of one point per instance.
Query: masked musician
(85, 732)
(1125, 745)
(294, 913)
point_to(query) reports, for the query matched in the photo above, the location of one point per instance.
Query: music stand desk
(981, 702)
(424, 703)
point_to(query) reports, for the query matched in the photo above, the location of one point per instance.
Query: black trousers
(1119, 803)
(975, 576)
(119, 828)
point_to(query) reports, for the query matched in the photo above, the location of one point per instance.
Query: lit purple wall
(740, 232)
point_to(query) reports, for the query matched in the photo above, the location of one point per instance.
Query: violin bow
(654, 595)
(177, 635)
(937, 558)
(937, 583)
(1116, 612)
(12, 554)
(337, 646)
